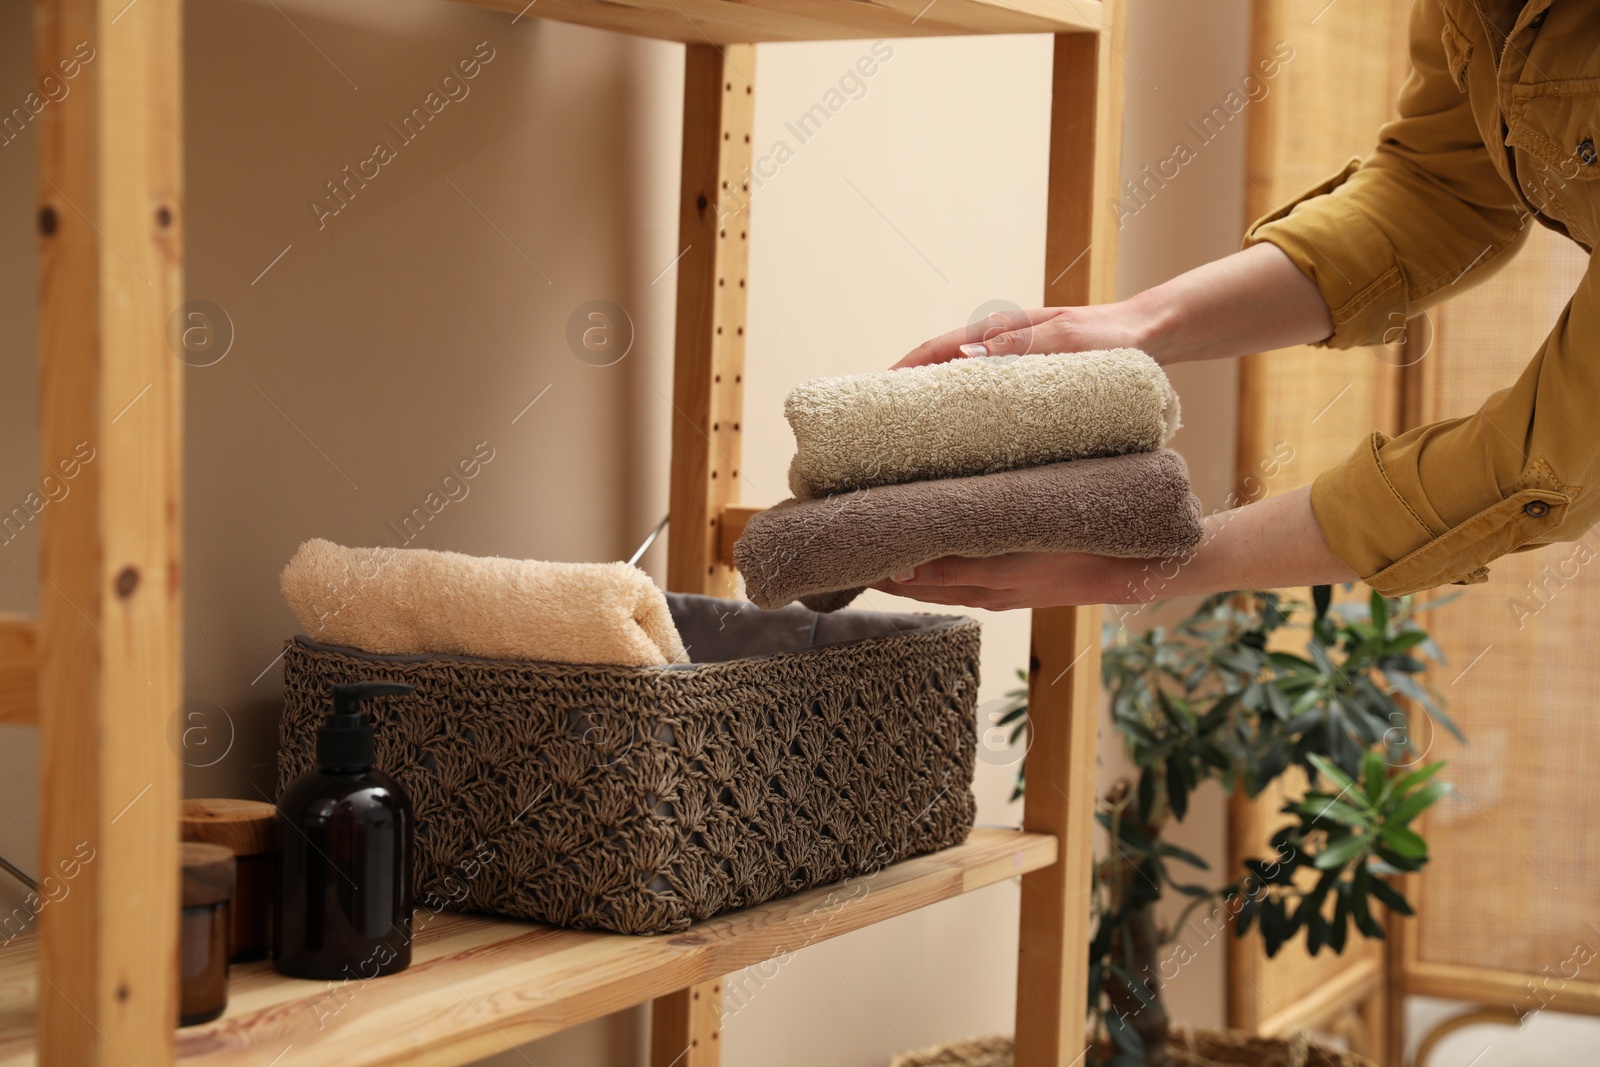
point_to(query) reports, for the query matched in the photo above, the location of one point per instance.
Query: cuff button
(1536, 509)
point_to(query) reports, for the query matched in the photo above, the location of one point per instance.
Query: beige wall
(382, 347)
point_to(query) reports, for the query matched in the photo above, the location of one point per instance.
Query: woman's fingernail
(905, 576)
(974, 350)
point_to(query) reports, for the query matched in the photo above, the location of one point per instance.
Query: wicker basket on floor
(1189, 1048)
(797, 750)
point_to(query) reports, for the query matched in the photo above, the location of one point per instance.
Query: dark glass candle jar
(203, 927)
(249, 829)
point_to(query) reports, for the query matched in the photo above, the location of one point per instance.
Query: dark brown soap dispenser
(344, 877)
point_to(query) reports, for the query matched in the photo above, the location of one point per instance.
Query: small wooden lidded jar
(248, 829)
(203, 933)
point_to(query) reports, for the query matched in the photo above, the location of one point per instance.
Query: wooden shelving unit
(478, 985)
(99, 667)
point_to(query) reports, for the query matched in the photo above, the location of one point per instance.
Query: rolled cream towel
(975, 416)
(415, 600)
(824, 552)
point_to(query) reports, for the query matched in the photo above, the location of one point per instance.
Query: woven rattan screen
(1514, 880)
(1307, 408)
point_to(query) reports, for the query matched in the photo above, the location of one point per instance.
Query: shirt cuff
(1349, 258)
(1398, 548)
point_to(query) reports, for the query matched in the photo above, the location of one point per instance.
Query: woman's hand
(1040, 331)
(1271, 544)
(1252, 301)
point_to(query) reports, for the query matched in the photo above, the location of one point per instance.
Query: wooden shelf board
(478, 986)
(742, 21)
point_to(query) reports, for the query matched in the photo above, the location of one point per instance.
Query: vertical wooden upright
(110, 226)
(708, 367)
(707, 398)
(1064, 667)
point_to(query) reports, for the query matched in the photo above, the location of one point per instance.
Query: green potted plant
(1217, 698)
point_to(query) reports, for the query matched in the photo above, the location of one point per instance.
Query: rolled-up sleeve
(1385, 239)
(1436, 504)
(1424, 216)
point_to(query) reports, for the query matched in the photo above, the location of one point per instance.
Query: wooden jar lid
(207, 874)
(244, 827)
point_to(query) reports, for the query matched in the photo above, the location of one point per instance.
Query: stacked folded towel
(976, 457)
(975, 416)
(415, 600)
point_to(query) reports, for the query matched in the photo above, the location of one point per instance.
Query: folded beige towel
(975, 416)
(824, 552)
(405, 600)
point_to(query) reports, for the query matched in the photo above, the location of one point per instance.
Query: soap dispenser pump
(344, 878)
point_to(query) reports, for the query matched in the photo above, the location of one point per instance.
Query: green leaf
(1289, 663)
(1405, 841)
(1177, 791)
(1391, 897)
(1247, 913)
(1176, 711)
(1359, 908)
(1325, 807)
(1219, 712)
(1278, 702)
(1380, 612)
(1394, 859)
(1407, 640)
(1375, 774)
(1414, 804)
(1331, 773)
(1340, 851)
(1166, 848)
(1124, 1036)
(1339, 928)
(1409, 781)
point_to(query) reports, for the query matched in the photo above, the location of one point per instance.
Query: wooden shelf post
(708, 365)
(110, 665)
(1064, 668)
(707, 398)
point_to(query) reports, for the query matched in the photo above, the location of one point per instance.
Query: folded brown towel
(975, 416)
(416, 600)
(824, 552)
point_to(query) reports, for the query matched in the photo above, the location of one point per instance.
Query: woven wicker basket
(1189, 1048)
(798, 750)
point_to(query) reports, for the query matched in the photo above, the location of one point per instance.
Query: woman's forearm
(1271, 544)
(1252, 301)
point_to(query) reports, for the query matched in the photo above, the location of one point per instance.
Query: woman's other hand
(1039, 331)
(1252, 301)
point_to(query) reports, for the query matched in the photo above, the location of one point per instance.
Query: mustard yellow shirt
(1499, 125)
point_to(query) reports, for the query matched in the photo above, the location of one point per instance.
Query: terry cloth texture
(401, 600)
(975, 416)
(824, 552)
